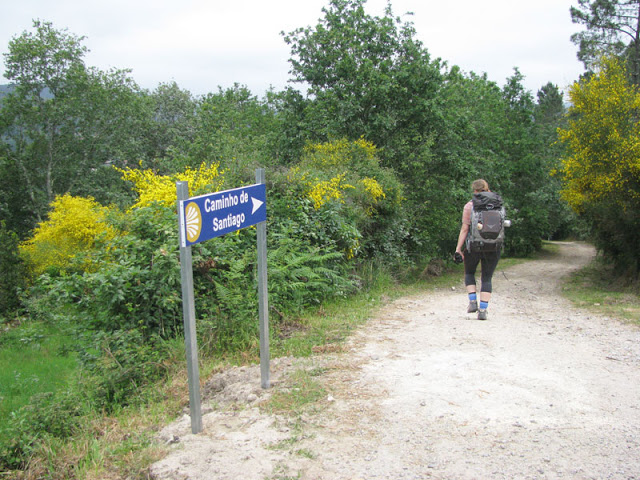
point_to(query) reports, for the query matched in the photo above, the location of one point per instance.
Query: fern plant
(301, 274)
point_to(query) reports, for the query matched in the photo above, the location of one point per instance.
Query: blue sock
(484, 305)
(472, 297)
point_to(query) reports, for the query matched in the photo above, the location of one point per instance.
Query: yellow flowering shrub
(603, 137)
(347, 200)
(322, 191)
(356, 202)
(329, 161)
(337, 153)
(297, 176)
(373, 194)
(152, 187)
(601, 170)
(374, 189)
(72, 228)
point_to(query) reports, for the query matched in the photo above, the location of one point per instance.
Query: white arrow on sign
(256, 204)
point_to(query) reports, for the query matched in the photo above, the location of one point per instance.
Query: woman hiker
(488, 260)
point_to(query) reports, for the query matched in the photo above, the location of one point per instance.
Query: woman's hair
(480, 185)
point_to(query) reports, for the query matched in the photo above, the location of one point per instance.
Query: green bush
(47, 414)
(225, 283)
(338, 207)
(338, 196)
(117, 366)
(302, 275)
(136, 282)
(616, 233)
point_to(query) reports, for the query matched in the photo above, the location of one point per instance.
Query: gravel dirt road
(541, 390)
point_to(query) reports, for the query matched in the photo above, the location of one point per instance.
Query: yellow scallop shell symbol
(193, 220)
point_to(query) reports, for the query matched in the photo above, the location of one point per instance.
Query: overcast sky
(203, 44)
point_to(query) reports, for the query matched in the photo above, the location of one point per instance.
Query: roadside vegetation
(367, 173)
(599, 288)
(64, 435)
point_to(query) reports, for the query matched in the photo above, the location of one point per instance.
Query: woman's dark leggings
(489, 262)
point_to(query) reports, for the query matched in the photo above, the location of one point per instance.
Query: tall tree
(64, 122)
(525, 171)
(234, 129)
(38, 64)
(612, 28)
(469, 146)
(174, 118)
(550, 106)
(369, 76)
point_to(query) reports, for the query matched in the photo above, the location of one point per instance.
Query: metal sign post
(189, 318)
(263, 298)
(205, 217)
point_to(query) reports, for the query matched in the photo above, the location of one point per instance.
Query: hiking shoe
(482, 314)
(473, 306)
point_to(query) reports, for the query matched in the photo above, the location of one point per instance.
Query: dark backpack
(486, 233)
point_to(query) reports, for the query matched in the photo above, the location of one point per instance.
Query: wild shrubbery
(367, 217)
(114, 276)
(323, 215)
(48, 415)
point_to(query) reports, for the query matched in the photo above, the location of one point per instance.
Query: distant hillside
(4, 89)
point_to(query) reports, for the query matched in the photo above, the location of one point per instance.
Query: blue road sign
(214, 214)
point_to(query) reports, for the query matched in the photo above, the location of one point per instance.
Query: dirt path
(541, 390)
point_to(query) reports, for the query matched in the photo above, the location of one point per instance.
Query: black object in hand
(457, 257)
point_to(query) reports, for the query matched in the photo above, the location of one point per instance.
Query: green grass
(304, 391)
(33, 359)
(597, 288)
